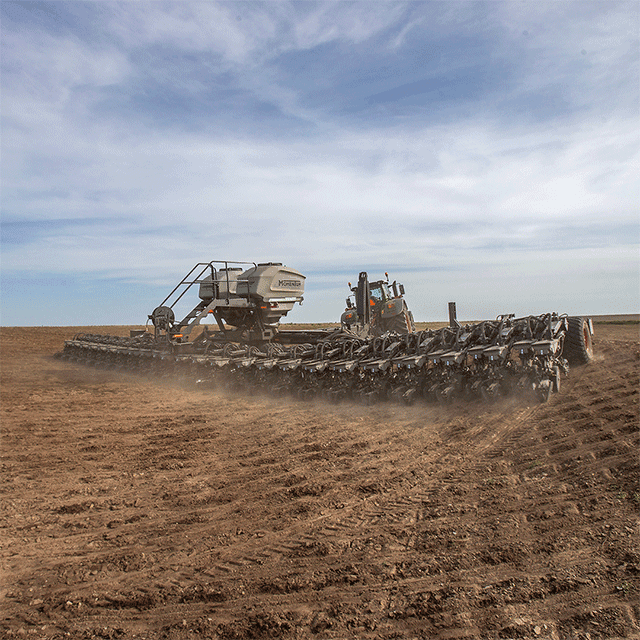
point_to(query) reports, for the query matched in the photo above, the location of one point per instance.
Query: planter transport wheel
(578, 346)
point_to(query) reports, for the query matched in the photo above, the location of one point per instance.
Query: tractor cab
(379, 307)
(378, 292)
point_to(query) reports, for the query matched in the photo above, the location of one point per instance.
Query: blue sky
(482, 152)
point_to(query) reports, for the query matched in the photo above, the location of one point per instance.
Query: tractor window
(375, 291)
(379, 291)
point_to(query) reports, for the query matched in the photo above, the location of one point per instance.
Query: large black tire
(400, 324)
(578, 345)
(411, 321)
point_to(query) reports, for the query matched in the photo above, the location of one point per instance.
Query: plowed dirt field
(134, 508)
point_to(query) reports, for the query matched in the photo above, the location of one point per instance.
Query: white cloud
(589, 49)
(244, 32)
(205, 183)
(344, 21)
(43, 70)
(191, 26)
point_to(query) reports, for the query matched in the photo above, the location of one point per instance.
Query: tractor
(377, 308)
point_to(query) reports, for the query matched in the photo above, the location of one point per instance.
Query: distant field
(626, 318)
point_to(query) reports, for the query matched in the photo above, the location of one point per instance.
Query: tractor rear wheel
(400, 324)
(578, 346)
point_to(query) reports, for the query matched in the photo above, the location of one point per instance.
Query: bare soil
(139, 508)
